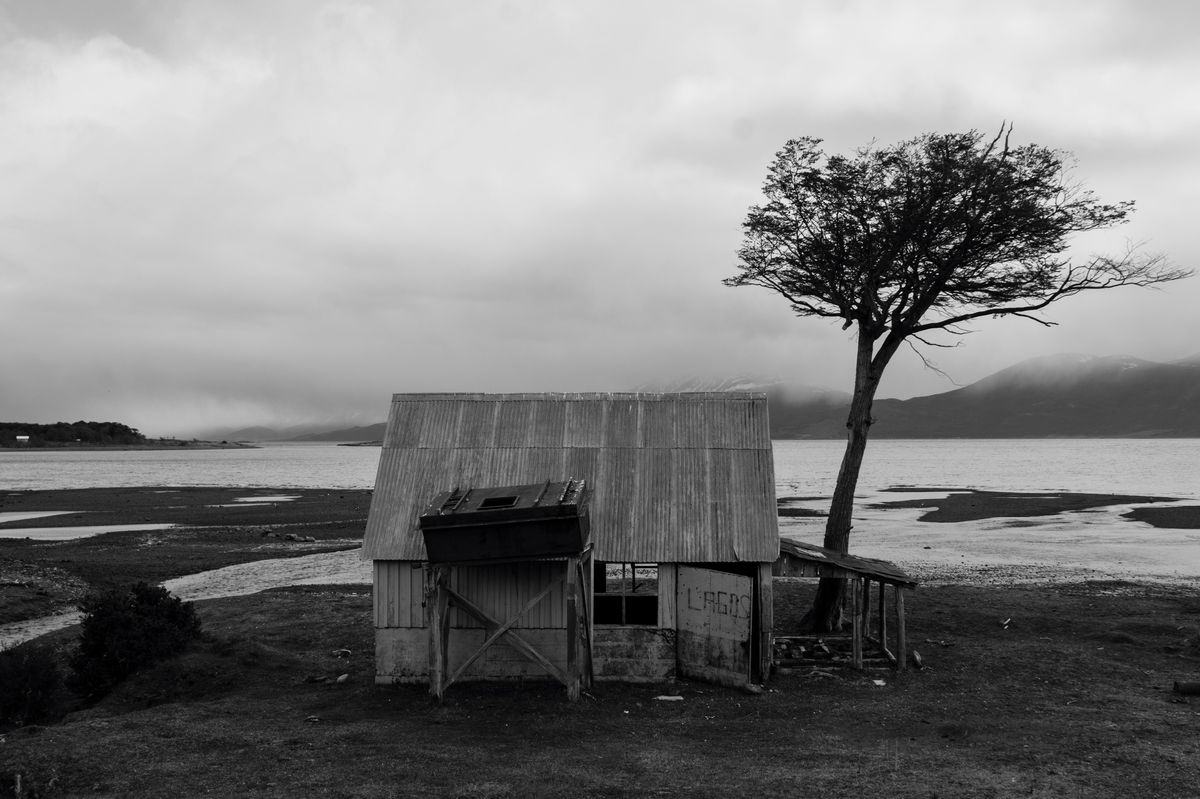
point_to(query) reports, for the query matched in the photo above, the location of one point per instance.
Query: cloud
(237, 211)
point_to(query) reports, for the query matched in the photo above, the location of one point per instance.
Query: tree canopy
(928, 234)
(59, 433)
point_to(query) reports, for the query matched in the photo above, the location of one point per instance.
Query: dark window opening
(625, 594)
(489, 503)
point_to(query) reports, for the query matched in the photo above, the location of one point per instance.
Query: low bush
(125, 630)
(30, 683)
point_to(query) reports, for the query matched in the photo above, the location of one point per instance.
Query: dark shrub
(125, 630)
(29, 684)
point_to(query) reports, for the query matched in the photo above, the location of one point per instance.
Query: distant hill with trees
(62, 434)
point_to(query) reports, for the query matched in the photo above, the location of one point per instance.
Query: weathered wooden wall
(501, 590)
(619, 653)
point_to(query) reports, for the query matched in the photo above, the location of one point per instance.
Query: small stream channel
(344, 567)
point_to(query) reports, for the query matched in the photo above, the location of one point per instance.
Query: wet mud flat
(959, 505)
(217, 527)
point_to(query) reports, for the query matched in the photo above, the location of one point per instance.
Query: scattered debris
(312, 719)
(669, 698)
(1004, 624)
(342, 678)
(917, 661)
(340, 653)
(879, 683)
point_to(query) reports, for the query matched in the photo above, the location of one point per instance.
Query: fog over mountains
(1054, 396)
(1047, 397)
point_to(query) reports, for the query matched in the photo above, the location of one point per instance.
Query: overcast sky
(235, 212)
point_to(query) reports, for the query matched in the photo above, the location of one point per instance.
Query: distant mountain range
(1058, 396)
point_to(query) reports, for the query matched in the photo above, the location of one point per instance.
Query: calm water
(271, 466)
(1166, 467)
(1160, 467)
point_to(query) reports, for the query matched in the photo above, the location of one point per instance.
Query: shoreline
(951, 536)
(216, 528)
(156, 445)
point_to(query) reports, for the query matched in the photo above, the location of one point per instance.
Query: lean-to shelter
(674, 576)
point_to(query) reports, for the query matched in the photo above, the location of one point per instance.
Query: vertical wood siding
(399, 594)
(500, 590)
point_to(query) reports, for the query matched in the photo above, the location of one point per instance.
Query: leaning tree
(922, 236)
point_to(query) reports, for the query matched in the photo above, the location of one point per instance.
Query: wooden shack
(797, 559)
(673, 576)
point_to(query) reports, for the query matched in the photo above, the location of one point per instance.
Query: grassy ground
(1072, 698)
(1049, 691)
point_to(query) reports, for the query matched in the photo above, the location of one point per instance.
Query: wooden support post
(883, 630)
(766, 619)
(439, 630)
(865, 608)
(856, 631)
(901, 642)
(586, 571)
(572, 592)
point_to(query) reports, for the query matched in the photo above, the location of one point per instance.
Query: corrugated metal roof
(674, 477)
(882, 570)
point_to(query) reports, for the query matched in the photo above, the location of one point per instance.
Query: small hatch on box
(498, 502)
(506, 522)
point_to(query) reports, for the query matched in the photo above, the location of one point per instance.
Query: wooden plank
(439, 632)
(883, 624)
(766, 618)
(856, 631)
(585, 582)
(666, 595)
(865, 607)
(573, 681)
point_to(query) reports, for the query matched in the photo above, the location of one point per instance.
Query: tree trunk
(825, 615)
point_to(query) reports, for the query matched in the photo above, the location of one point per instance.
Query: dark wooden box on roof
(506, 523)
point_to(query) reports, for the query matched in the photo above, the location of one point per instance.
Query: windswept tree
(921, 237)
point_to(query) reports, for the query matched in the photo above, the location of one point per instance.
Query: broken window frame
(630, 581)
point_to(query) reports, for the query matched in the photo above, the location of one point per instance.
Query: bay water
(1161, 467)
(1096, 544)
